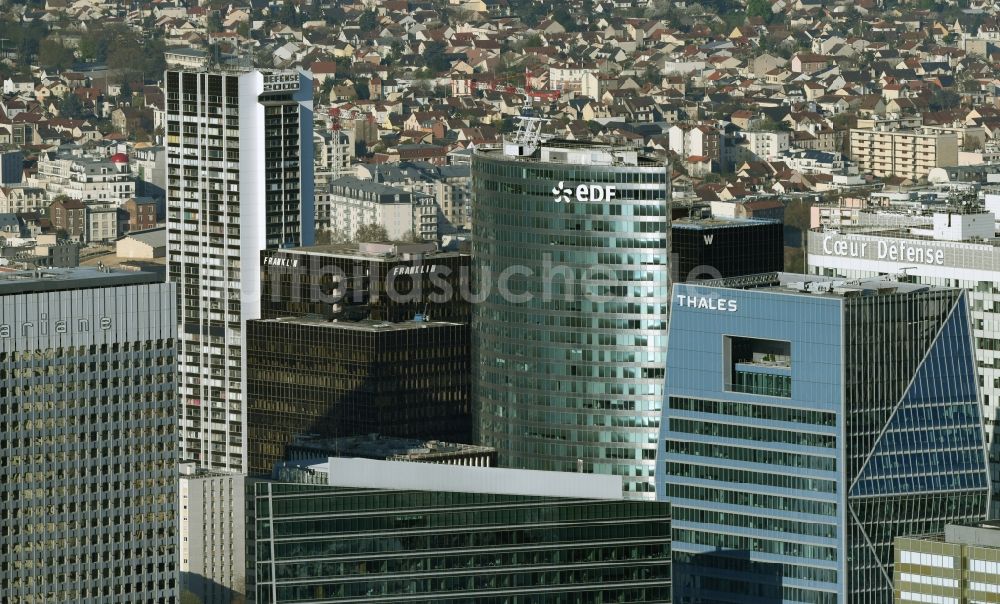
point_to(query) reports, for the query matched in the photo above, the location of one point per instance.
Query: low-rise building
(762, 145)
(810, 161)
(75, 174)
(355, 203)
(22, 199)
(69, 215)
(143, 245)
(141, 212)
(450, 533)
(212, 522)
(960, 566)
(102, 222)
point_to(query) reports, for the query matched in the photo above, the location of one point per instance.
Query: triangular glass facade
(927, 466)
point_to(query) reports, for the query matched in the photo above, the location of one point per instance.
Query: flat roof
(814, 285)
(365, 325)
(378, 446)
(388, 251)
(719, 223)
(413, 476)
(59, 279)
(613, 155)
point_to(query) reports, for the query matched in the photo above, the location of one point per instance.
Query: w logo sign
(708, 239)
(561, 193)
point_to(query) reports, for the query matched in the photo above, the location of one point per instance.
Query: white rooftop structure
(406, 475)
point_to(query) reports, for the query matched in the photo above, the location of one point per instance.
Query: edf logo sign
(564, 194)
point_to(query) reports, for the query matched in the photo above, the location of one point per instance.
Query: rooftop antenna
(528, 136)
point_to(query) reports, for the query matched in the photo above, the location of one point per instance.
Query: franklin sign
(894, 251)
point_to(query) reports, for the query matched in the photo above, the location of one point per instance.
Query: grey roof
(817, 286)
(153, 237)
(700, 224)
(368, 185)
(10, 223)
(190, 52)
(60, 279)
(368, 325)
(382, 447)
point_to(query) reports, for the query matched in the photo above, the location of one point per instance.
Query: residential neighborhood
(808, 101)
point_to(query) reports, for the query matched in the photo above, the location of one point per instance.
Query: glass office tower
(393, 531)
(808, 424)
(88, 474)
(570, 246)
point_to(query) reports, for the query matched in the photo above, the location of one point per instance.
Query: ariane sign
(43, 328)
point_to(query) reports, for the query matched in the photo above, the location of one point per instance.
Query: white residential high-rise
(239, 180)
(211, 524)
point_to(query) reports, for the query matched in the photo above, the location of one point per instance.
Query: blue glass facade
(804, 430)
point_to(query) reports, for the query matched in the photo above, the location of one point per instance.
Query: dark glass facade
(713, 248)
(307, 376)
(338, 351)
(806, 426)
(570, 332)
(329, 280)
(328, 544)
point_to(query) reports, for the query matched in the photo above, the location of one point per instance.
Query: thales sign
(707, 303)
(895, 251)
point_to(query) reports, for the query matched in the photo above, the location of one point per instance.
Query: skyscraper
(570, 246)
(808, 424)
(88, 475)
(239, 180)
(953, 247)
(368, 361)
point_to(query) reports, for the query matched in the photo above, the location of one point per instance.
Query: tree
(154, 61)
(126, 90)
(288, 15)
(771, 125)
(944, 99)
(368, 21)
(435, 58)
(71, 106)
(93, 45)
(53, 55)
(214, 21)
(371, 233)
(362, 89)
(759, 8)
(396, 50)
(124, 51)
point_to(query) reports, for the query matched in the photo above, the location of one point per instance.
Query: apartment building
(912, 154)
(239, 180)
(355, 203)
